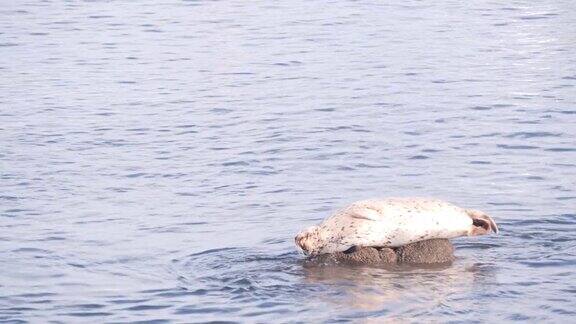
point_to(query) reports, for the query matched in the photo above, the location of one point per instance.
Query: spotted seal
(392, 222)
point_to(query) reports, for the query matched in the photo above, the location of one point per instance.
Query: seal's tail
(481, 223)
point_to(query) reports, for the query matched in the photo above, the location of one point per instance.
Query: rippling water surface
(158, 157)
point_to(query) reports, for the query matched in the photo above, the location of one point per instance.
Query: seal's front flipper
(352, 249)
(365, 213)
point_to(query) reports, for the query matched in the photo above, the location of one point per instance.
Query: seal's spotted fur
(392, 222)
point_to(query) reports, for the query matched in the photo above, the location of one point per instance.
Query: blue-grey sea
(158, 157)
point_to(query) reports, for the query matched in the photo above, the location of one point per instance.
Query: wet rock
(366, 255)
(433, 251)
(429, 251)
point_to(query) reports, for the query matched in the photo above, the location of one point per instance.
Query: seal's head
(309, 241)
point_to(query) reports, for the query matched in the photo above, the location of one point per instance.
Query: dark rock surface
(366, 255)
(429, 251)
(435, 251)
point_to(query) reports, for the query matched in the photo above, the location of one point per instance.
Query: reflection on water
(380, 292)
(158, 157)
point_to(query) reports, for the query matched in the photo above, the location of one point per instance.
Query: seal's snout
(301, 242)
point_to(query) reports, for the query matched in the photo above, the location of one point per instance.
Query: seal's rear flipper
(481, 223)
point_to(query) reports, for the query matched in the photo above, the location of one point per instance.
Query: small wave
(241, 272)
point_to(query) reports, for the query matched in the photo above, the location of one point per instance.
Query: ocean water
(157, 157)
